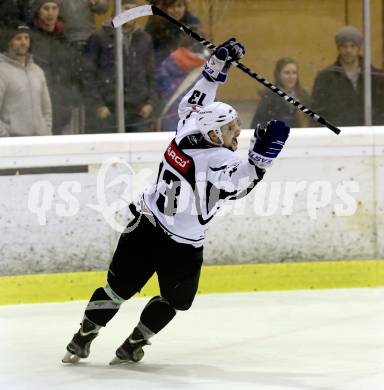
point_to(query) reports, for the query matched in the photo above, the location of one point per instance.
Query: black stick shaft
(273, 88)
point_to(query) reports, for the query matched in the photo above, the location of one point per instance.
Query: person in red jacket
(176, 74)
(51, 51)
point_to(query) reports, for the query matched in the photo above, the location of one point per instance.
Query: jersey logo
(177, 159)
(192, 139)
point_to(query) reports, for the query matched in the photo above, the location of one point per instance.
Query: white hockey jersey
(195, 178)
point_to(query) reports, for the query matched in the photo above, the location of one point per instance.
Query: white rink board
(75, 237)
(300, 340)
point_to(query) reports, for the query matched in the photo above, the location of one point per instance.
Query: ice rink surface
(302, 340)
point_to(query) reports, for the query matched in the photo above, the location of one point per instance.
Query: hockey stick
(147, 10)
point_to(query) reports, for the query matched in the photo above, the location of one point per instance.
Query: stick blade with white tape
(131, 14)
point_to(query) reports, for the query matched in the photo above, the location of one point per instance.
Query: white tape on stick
(131, 14)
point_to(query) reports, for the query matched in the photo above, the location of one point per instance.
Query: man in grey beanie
(338, 91)
(348, 34)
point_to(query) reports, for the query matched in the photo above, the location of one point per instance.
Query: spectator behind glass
(79, 17)
(99, 77)
(25, 105)
(52, 52)
(166, 35)
(177, 73)
(338, 91)
(271, 105)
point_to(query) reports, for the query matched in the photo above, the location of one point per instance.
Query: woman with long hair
(286, 75)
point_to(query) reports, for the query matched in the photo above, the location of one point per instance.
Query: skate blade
(115, 361)
(70, 358)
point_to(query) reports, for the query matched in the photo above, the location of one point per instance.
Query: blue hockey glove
(216, 68)
(266, 144)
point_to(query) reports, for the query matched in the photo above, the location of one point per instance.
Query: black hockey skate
(131, 350)
(79, 347)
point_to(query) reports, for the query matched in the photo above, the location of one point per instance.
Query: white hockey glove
(216, 68)
(266, 144)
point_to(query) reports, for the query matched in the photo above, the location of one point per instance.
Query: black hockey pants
(148, 249)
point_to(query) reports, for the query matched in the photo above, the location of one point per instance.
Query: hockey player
(198, 172)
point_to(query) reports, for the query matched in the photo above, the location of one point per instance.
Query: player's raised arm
(215, 72)
(236, 178)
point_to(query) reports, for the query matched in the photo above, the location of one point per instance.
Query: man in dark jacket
(80, 23)
(338, 91)
(53, 54)
(99, 77)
